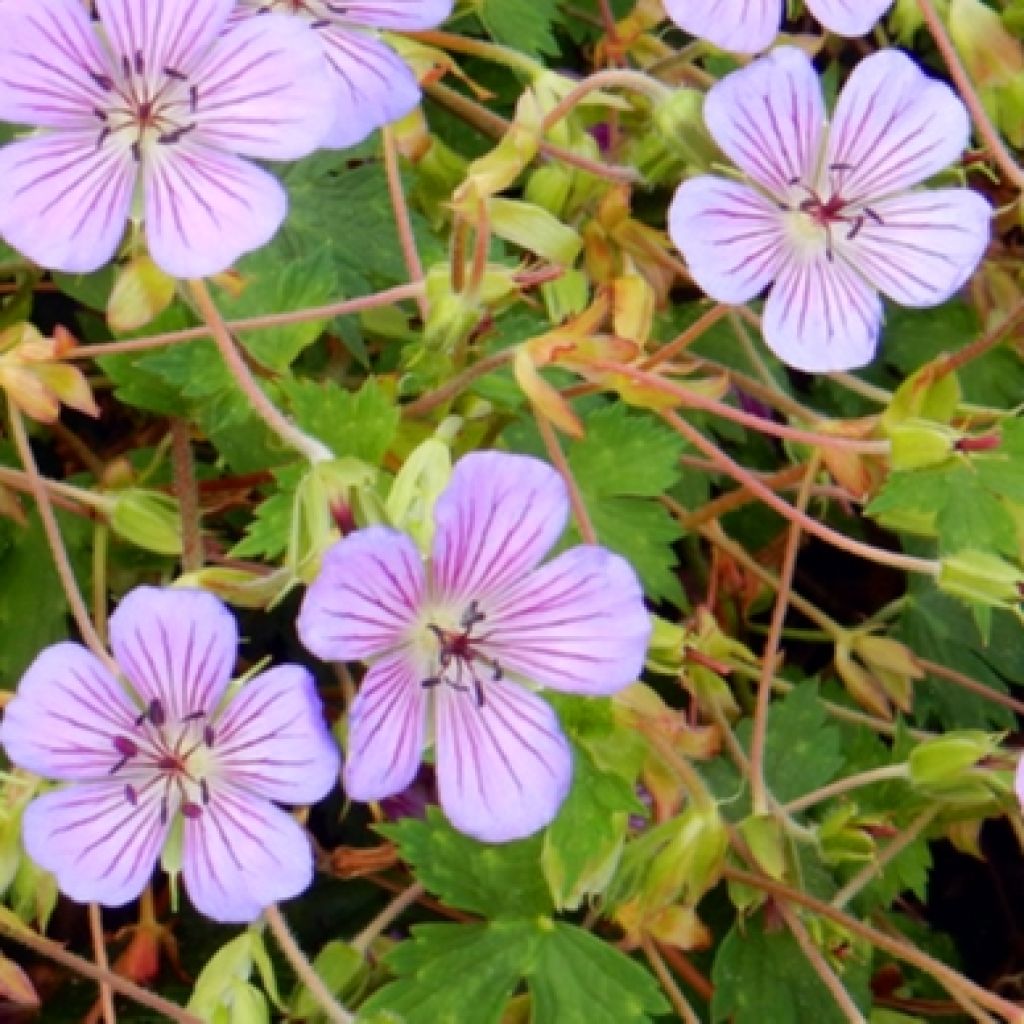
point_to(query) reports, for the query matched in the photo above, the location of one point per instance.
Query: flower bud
(691, 862)
(981, 577)
(763, 834)
(141, 292)
(938, 765)
(679, 122)
(917, 443)
(148, 519)
(420, 481)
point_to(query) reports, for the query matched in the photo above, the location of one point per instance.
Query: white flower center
(174, 759)
(819, 216)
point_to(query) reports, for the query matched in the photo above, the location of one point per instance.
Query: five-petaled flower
(449, 642)
(169, 759)
(828, 215)
(145, 111)
(372, 85)
(749, 26)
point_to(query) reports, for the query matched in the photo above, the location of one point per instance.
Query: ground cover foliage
(804, 807)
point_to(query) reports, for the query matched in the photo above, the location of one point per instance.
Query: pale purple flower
(827, 218)
(749, 26)
(453, 643)
(143, 114)
(371, 85)
(169, 757)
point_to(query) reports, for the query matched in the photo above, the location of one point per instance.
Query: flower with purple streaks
(749, 26)
(372, 85)
(452, 644)
(828, 218)
(169, 757)
(145, 113)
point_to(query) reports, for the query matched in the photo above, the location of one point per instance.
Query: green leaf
(494, 881)
(582, 845)
(362, 423)
(573, 977)
(524, 24)
(763, 977)
(276, 284)
(266, 536)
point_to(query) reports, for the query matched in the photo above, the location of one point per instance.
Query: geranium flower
(827, 215)
(168, 759)
(453, 643)
(148, 108)
(372, 85)
(749, 26)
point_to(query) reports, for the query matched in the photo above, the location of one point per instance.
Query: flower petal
(769, 119)
(205, 208)
(732, 237)
(503, 769)
(65, 202)
(893, 127)
(272, 739)
(241, 854)
(848, 17)
(498, 517)
(387, 725)
(175, 646)
(101, 847)
(576, 624)
(742, 26)
(49, 55)
(924, 245)
(366, 598)
(67, 712)
(403, 15)
(260, 90)
(372, 85)
(168, 34)
(822, 316)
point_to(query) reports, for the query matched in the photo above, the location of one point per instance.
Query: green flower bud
(978, 576)
(939, 764)
(148, 519)
(917, 443)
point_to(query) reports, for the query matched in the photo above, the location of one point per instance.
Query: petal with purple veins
(733, 238)
(240, 854)
(742, 26)
(504, 768)
(148, 37)
(177, 647)
(893, 127)
(204, 208)
(387, 725)
(498, 517)
(401, 15)
(51, 65)
(259, 91)
(65, 201)
(100, 844)
(272, 739)
(66, 716)
(821, 316)
(366, 598)
(769, 119)
(848, 17)
(577, 623)
(372, 85)
(919, 248)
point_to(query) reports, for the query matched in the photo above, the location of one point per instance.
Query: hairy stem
(403, 224)
(394, 910)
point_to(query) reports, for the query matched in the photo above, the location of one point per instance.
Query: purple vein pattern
(168, 758)
(145, 113)
(749, 26)
(371, 85)
(827, 217)
(452, 644)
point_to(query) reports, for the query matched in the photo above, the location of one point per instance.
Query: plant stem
(971, 685)
(403, 224)
(687, 337)
(684, 1011)
(579, 508)
(454, 387)
(79, 965)
(906, 563)
(874, 867)
(99, 947)
(613, 78)
(187, 493)
(304, 970)
(315, 451)
(885, 773)
(394, 910)
(253, 323)
(758, 789)
(58, 551)
(986, 129)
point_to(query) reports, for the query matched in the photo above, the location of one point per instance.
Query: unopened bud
(937, 765)
(981, 577)
(148, 519)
